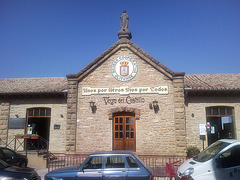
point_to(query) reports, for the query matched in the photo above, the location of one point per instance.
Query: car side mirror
(81, 169)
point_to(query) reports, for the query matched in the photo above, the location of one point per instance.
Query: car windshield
(210, 151)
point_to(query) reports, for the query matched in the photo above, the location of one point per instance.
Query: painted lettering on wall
(124, 90)
(128, 100)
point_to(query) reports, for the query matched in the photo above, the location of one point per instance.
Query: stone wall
(71, 116)
(155, 132)
(58, 116)
(179, 115)
(196, 114)
(4, 115)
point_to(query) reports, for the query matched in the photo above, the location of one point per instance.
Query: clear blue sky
(52, 38)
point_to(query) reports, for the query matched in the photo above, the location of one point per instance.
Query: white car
(220, 161)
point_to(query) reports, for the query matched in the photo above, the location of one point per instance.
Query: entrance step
(36, 161)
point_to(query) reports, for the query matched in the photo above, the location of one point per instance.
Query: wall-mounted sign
(125, 90)
(202, 129)
(124, 68)
(121, 100)
(56, 126)
(16, 123)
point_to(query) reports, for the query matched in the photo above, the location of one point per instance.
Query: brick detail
(124, 109)
(179, 115)
(4, 115)
(71, 115)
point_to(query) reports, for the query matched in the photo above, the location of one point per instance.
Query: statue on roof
(124, 31)
(124, 20)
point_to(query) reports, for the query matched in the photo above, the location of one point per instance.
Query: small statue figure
(124, 31)
(124, 20)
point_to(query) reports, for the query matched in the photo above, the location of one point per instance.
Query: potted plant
(34, 136)
(19, 136)
(192, 151)
(26, 136)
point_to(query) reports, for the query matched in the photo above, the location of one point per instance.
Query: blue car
(114, 165)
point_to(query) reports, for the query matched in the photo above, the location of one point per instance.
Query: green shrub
(193, 149)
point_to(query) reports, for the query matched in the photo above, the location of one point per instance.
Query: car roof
(230, 140)
(5, 148)
(118, 152)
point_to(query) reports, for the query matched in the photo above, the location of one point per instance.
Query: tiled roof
(212, 82)
(33, 85)
(192, 82)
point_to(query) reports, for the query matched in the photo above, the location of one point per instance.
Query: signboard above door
(88, 91)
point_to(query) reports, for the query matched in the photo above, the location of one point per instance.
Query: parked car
(12, 158)
(220, 161)
(8, 172)
(106, 165)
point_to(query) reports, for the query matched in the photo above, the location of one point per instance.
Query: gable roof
(33, 85)
(200, 82)
(133, 47)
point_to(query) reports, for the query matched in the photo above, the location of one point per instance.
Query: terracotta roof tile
(33, 85)
(212, 81)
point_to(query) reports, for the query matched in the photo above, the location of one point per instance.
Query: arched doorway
(220, 123)
(124, 131)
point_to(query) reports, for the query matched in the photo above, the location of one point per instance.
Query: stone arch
(124, 109)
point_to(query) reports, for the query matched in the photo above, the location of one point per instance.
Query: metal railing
(160, 165)
(64, 161)
(163, 166)
(34, 143)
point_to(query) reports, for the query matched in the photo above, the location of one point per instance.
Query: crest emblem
(124, 68)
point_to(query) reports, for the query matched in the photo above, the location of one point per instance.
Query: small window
(48, 113)
(42, 112)
(115, 162)
(230, 158)
(36, 112)
(208, 111)
(215, 111)
(39, 112)
(30, 112)
(222, 111)
(132, 163)
(94, 163)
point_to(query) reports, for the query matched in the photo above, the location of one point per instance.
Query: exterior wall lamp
(154, 105)
(93, 106)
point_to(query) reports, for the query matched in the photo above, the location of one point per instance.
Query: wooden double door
(124, 132)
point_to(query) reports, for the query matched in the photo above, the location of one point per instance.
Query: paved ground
(42, 172)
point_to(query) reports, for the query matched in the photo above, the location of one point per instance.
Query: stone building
(124, 99)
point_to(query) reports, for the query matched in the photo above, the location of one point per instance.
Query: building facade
(123, 100)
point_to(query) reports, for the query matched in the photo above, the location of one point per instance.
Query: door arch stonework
(124, 109)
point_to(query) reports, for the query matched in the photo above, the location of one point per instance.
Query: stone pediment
(125, 43)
